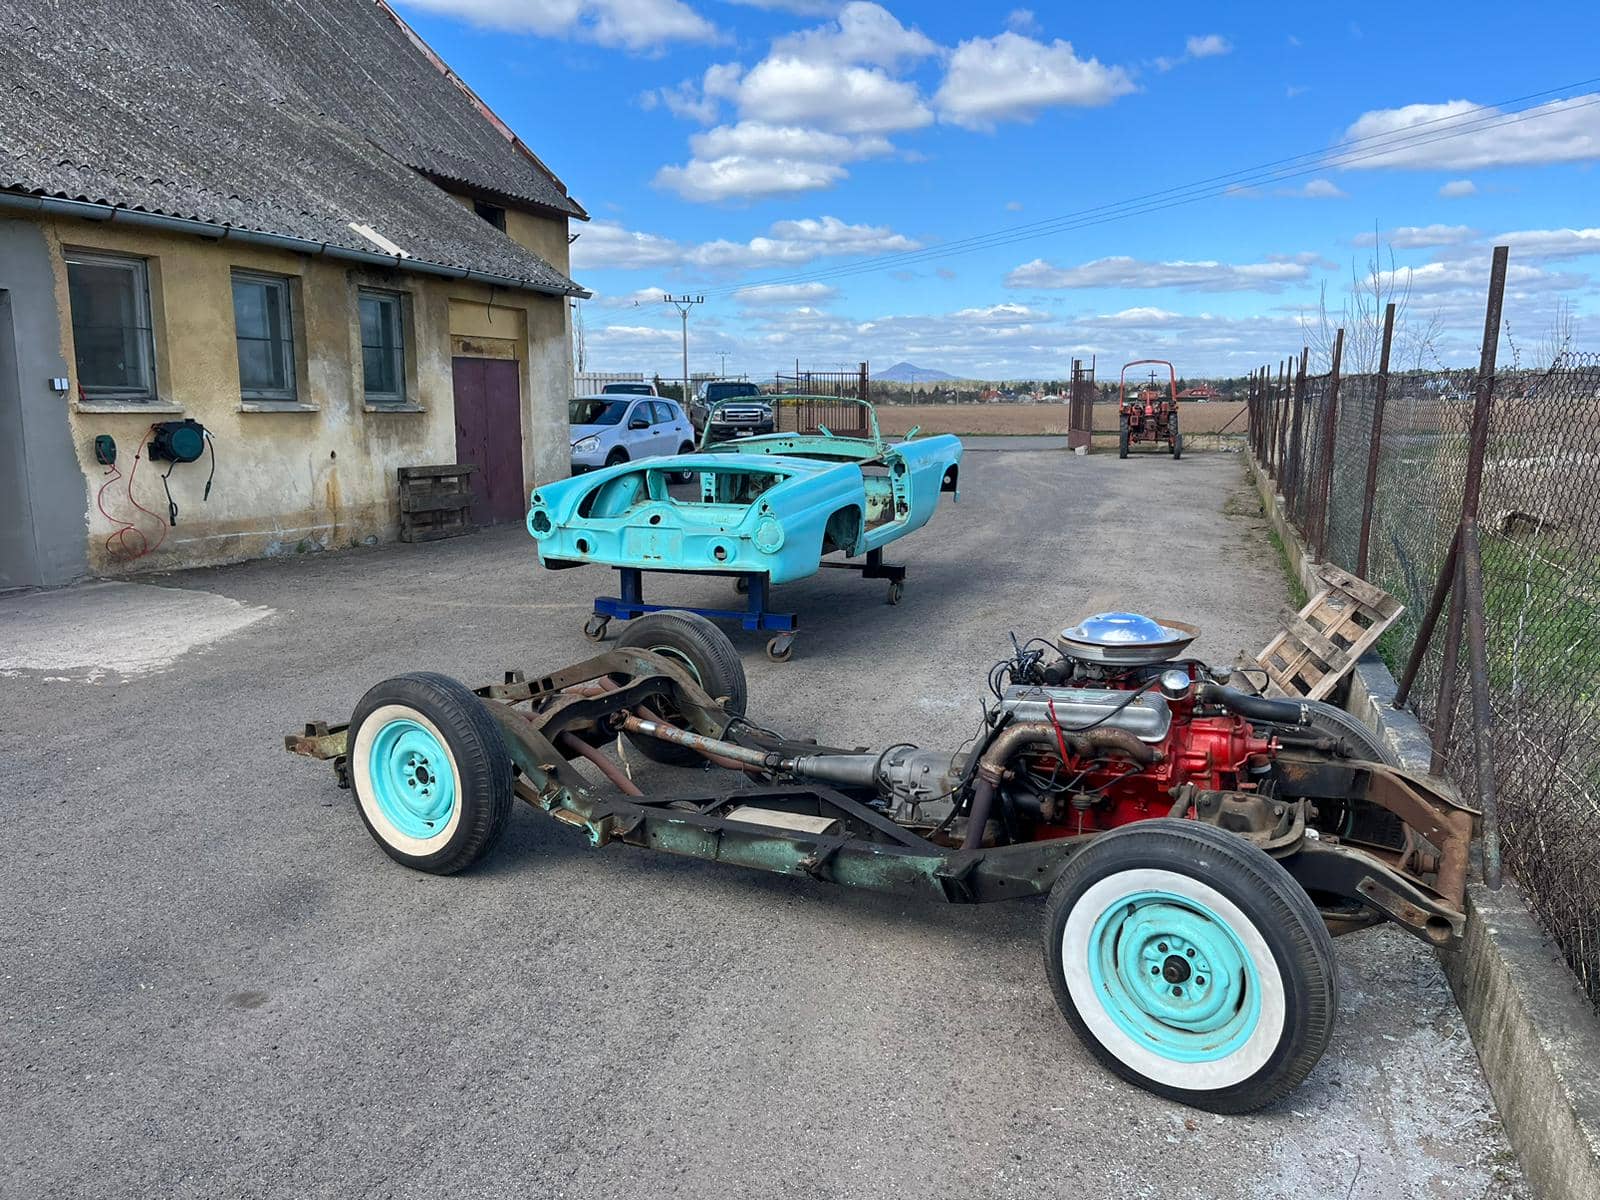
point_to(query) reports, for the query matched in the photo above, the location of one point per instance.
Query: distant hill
(904, 372)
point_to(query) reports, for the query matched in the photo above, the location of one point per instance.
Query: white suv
(612, 429)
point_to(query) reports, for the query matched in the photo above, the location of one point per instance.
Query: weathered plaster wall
(324, 474)
(42, 496)
(545, 236)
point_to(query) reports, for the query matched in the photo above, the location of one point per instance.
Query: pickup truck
(771, 505)
(730, 408)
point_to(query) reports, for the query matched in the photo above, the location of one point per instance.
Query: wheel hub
(411, 778)
(1174, 977)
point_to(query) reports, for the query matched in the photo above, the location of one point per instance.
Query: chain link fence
(1539, 520)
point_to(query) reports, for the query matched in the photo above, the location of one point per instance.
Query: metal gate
(1080, 405)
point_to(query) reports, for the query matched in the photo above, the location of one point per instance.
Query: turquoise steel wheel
(430, 771)
(413, 778)
(1192, 964)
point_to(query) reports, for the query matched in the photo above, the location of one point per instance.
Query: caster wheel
(595, 628)
(896, 590)
(781, 648)
(741, 584)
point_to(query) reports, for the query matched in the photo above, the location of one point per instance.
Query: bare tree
(1360, 314)
(1558, 335)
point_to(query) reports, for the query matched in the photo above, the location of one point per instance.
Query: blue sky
(719, 146)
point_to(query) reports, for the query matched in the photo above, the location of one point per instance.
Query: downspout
(88, 211)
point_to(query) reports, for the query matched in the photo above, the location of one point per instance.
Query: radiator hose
(1256, 708)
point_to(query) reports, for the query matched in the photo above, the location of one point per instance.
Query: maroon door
(489, 436)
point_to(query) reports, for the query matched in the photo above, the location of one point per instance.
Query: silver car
(611, 429)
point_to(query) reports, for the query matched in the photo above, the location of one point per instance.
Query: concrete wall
(43, 494)
(321, 474)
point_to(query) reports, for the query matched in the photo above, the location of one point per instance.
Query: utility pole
(683, 304)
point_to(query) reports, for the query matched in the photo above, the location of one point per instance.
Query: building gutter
(110, 213)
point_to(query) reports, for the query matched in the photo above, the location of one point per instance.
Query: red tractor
(1149, 416)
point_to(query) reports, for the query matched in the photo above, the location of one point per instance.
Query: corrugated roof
(297, 118)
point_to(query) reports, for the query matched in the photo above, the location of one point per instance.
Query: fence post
(1291, 472)
(1330, 426)
(1379, 399)
(1280, 414)
(1472, 574)
(861, 386)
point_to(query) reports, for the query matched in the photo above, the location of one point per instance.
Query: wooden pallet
(1321, 643)
(435, 502)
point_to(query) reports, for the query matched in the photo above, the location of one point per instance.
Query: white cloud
(1560, 131)
(635, 335)
(606, 244)
(757, 139)
(636, 25)
(1011, 78)
(800, 8)
(1457, 188)
(1022, 20)
(1124, 272)
(1208, 45)
(1315, 189)
(835, 96)
(1470, 278)
(863, 33)
(738, 177)
(1002, 314)
(1413, 237)
(820, 98)
(683, 100)
(785, 293)
(1140, 316)
(641, 296)
(1551, 243)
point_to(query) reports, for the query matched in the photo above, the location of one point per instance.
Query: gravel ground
(216, 985)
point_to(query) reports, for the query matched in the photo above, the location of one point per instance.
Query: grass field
(978, 419)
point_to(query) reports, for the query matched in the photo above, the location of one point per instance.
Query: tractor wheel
(1177, 441)
(430, 772)
(1122, 438)
(1191, 964)
(697, 645)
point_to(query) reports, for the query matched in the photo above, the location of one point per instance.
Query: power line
(1277, 170)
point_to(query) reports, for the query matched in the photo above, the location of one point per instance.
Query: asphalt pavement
(216, 985)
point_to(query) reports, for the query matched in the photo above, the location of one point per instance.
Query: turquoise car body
(772, 505)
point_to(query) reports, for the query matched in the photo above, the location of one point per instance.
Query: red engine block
(1212, 753)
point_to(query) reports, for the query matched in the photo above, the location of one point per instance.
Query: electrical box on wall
(105, 450)
(59, 384)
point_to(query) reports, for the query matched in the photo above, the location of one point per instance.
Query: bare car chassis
(859, 819)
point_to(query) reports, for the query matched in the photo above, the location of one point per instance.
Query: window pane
(256, 366)
(371, 321)
(265, 337)
(377, 370)
(250, 307)
(110, 328)
(382, 348)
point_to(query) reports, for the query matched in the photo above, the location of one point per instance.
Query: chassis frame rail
(860, 846)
